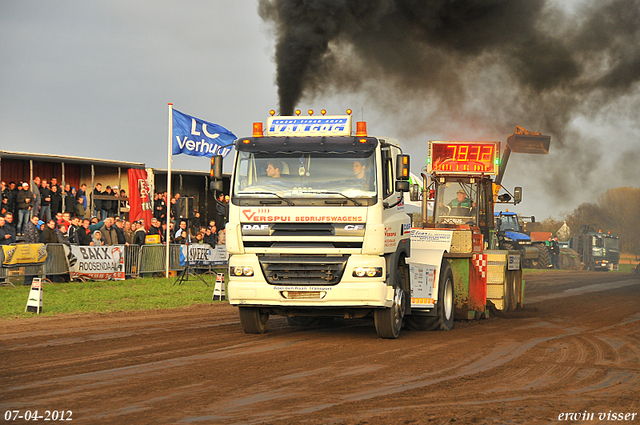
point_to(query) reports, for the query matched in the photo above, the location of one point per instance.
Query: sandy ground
(574, 349)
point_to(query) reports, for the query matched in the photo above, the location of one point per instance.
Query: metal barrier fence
(137, 260)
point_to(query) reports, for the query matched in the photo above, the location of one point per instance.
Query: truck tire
(388, 321)
(543, 257)
(443, 321)
(253, 321)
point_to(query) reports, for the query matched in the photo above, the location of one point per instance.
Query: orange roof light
(310, 112)
(272, 112)
(324, 111)
(257, 129)
(361, 129)
(297, 111)
(349, 111)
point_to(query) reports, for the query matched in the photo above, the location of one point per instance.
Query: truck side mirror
(402, 186)
(215, 185)
(517, 195)
(414, 192)
(533, 219)
(402, 167)
(498, 223)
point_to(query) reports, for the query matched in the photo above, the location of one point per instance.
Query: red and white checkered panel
(480, 263)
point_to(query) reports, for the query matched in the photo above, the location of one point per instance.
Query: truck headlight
(367, 272)
(241, 271)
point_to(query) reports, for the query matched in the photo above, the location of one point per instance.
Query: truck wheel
(388, 321)
(253, 321)
(443, 321)
(543, 257)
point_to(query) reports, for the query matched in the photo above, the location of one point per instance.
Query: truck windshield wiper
(355, 201)
(269, 193)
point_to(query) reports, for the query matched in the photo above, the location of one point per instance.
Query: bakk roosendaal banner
(203, 255)
(195, 137)
(96, 262)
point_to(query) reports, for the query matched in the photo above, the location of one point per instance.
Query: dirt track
(575, 348)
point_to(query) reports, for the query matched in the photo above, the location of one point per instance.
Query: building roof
(68, 159)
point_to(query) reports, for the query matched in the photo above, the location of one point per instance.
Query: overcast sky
(93, 79)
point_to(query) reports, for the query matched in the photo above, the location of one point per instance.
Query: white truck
(317, 229)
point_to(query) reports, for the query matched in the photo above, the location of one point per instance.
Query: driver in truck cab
(461, 202)
(273, 170)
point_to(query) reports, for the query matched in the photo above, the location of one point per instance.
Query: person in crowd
(97, 203)
(115, 204)
(66, 219)
(49, 232)
(54, 183)
(5, 237)
(108, 232)
(124, 203)
(9, 198)
(60, 235)
(222, 237)
(119, 228)
(35, 189)
(128, 232)
(11, 203)
(84, 233)
(79, 208)
(73, 231)
(96, 239)
(10, 227)
(25, 204)
(156, 229)
(45, 202)
(182, 235)
(107, 205)
(159, 208)
(196, 222)
(56, 200)
(140, 234)
(554, 251)
(69, 200)
(82, 194)
(210, 236)
(199, 237)
(4, 192)
(31, 235)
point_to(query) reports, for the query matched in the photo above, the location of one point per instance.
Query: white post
(169, 152)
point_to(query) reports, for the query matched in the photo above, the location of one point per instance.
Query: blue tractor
(512, 237)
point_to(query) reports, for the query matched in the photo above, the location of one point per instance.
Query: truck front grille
(303, 269)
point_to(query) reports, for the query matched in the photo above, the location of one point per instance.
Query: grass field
(107, 296)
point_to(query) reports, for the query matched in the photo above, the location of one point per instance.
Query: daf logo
(255, 227)
(353, 227)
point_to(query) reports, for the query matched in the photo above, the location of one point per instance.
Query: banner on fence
(96, 262)
(203, 255)
(23, 254)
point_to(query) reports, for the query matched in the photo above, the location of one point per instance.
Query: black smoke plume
(489, 64)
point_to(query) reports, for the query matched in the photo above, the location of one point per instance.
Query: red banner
(139, 197)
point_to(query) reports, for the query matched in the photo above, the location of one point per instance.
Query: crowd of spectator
(49, 213)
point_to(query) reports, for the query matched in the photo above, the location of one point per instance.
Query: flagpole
(169, 151)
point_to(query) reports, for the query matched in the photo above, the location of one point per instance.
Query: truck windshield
(307, 177)
(456, 203)
(510, 222)
(611, 243)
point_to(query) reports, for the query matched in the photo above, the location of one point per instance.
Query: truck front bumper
(349, 292)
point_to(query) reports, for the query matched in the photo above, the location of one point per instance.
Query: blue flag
(195, 137)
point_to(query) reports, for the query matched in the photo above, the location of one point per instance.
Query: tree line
(616, 211)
